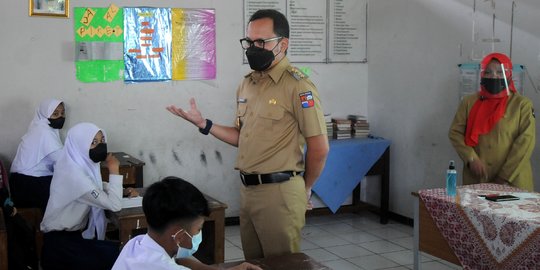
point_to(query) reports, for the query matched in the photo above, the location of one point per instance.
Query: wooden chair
(3, 243)
(34, 216)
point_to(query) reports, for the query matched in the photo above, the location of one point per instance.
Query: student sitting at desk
(74, 223)
(32, 168)
(175, 211)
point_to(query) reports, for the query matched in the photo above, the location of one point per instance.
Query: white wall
(38, 62)
(413, 51)
(414, 47)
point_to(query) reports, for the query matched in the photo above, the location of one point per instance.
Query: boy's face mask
(195, 242)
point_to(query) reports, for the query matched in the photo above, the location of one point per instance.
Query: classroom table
(470, 231)
(295, 261)
(131, 222)
(348, 162)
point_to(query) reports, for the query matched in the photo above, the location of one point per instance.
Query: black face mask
(259, 59)
(99, 153)
(57, 123)
(493, 86)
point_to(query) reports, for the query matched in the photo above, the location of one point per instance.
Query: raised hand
(193, 115)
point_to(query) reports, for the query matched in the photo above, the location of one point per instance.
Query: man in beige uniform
(278, 113)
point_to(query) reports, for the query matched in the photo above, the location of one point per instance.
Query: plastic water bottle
(451, 177)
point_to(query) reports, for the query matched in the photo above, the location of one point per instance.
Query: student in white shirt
(32, 167)
(74, 222)
(175, 211)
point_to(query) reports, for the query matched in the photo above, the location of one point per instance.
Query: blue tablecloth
(348, 162)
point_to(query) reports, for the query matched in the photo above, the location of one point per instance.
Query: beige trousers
(272, 217)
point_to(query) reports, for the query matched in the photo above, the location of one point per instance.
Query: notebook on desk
(132, 202)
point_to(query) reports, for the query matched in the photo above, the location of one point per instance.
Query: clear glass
(488, 73)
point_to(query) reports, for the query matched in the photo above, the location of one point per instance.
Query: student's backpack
(22, 254)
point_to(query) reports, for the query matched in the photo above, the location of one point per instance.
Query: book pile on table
(360, 126)
(329, 126)
(342, 128)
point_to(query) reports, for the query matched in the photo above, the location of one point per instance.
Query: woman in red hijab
(494, 130)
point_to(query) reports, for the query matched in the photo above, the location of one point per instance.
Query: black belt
(255, 179)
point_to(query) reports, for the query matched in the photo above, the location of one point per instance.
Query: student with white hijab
(74, 223)
(32, 168)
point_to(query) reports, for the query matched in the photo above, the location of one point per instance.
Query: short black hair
(173, 200)
(280, 23)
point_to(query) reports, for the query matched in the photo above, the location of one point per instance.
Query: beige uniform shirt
(506, 150)
(276, 110)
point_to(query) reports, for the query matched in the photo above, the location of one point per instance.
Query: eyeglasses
(248, 43)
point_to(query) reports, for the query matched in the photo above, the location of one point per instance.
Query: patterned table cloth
(486, 234)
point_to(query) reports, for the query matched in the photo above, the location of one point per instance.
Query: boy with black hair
(175, 211)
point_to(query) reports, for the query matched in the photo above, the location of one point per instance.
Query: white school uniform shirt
(143, 253)
(40, 146)
(78, 196)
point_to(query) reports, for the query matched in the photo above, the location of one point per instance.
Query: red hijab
(489, 108)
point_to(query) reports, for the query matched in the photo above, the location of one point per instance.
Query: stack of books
(342, 128)
(329, 126)
(360, 126)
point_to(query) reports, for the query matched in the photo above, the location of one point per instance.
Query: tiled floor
(351, 242)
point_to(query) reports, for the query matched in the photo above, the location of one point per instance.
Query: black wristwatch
(207, 128)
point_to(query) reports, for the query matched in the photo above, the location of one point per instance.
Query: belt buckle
(242, 177)
(244, 181)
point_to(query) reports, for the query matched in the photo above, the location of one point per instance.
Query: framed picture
(54, 8)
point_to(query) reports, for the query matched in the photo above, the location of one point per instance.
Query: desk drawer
(129, 174)
(129, 227)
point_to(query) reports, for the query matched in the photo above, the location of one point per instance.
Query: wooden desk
(130, 167)
(295, 261)
(131, 222)
(476, 233)
(427, 237)
(381, 168)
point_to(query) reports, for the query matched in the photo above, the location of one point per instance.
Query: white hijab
(40, 140)
(75, 174)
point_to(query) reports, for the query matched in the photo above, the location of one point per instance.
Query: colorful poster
(99, 33)
(147, 44)
(193, 44)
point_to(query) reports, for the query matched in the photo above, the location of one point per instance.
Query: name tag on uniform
(242, 100)
(95, 193)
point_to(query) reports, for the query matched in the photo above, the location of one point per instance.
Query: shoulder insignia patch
(306, 99)
(95, 193)
(297, 73)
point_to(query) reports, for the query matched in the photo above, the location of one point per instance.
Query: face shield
(496, 74)
(494, 78)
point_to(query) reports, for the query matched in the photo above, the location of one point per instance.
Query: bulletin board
(321, 31)
(144, 44)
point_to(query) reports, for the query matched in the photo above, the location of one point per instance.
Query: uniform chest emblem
(272, 101)
(306, 98)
